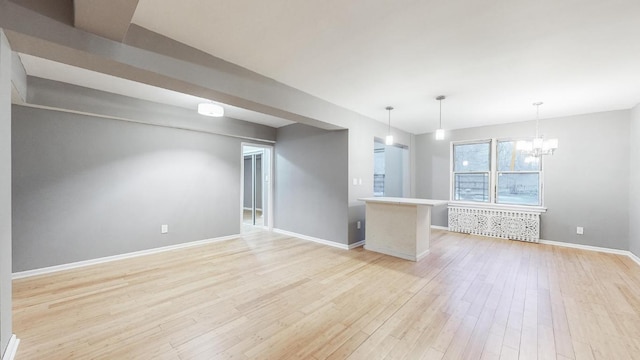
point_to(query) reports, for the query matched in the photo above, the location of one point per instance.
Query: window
(493, 171)
(518, 180)
(471, 170)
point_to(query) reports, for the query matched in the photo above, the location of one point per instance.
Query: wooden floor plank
(271, 296)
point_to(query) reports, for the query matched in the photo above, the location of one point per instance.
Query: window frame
(453, 172)
(493, 178)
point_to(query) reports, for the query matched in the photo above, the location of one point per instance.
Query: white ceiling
(492, 59)
(52, 70)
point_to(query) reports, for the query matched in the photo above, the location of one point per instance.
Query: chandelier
(539, 145)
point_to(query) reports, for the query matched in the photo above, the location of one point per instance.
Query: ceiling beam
(153, 60)
(109, 19)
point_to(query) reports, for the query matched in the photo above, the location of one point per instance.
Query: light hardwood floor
(275, 297)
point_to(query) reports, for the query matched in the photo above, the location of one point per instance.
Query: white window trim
(493, 173)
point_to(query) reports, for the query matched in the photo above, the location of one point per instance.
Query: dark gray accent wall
(311, 183)
(586, 182)
(5, 193)
(87, 187)
(634, 182)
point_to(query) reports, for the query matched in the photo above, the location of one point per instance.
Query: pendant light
(210, 109)
(389, 138)
(539, 146)
(440, 131)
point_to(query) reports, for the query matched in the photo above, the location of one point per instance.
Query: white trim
(585, 247)
(79, 264)
(437, 227)
(627, 253)
(12, 348)
(269, 152)
(634, 257)
(386, 251)
(311, 238)
(481, 205)
(356, 244)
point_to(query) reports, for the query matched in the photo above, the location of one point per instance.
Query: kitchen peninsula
(399, 227)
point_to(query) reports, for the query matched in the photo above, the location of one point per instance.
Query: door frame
(269, 152)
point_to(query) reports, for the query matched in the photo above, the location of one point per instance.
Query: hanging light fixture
(538, 146)
(210, 109)
(389, 138)
(440, 131)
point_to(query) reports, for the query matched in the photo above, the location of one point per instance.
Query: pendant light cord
(537, 104)
(440, 126)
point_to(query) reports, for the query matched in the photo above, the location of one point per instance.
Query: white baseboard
(397, 254)
(12, 348)
(634, 257)
(356, 244)
(585, 247)
(440, 227)
(75, 265)
(311, 238)
(627, 253)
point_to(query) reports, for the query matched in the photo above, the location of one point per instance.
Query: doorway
(390, 169)
(255, 199)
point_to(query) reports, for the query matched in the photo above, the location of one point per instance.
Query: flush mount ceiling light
(440, 131)
(389, 139)
(210, 109)
(539, 146)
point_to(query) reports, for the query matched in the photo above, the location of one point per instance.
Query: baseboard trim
(79, 264)
(356, 244)
(584, 247)
(440, 227)
(634, 257)
(397, 254)
(627, 253)
(12, 348)
(313, 239)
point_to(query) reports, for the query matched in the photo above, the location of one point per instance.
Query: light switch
(164, 229)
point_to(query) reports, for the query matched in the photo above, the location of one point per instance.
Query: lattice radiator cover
(507, 224)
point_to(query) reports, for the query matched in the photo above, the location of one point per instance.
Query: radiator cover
(507, 224)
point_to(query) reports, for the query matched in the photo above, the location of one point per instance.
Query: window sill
(478, 205)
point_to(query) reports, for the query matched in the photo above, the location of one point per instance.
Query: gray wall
(586, 182)
(361, 143)
(87, 187)
(57, 95)
(634, 182)
(311, 184)
(5, 193)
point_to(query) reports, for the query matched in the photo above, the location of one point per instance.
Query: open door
(256, 187)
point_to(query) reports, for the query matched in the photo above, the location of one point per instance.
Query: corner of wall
(634, 181)
(5, 195)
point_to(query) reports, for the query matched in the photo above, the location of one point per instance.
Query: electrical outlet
(580, 230)
(358, 225)
(164, 229)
